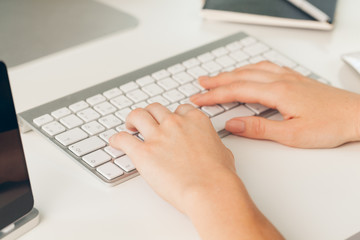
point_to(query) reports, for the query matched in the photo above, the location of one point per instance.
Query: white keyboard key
(125, 163)
(127, 87)
(279, 59)
(123, 113)
(95, 99)
(114, 92)
(232, 47)
(110, 121)
(168, 83)
(173, 107)
(173, 96)
(142, 104)
(221, 51)
(187, 101)
(71, 121)
(93, 127)
(62, 112)
(107, 134)
(121, 102)
(152, 89)
(225, 61)
(115, 153)
(122, 127)
(71, 136)
(39, 121)
(161, 74)
(145, 81)
(239, 56)
(176, 68)
(191, 63)
(212, 67)
(257, 108)
(189, 89)
(183, 77)
(137, 96)
(159, 99)
(302, 71)
(228, 106)
(88, 114)
(256, 59)
(53, 128)
(212, 110)
(206, 57)
(197, 72)
(96, 158)
(220, 120)
(248, 41)
(105, 108)
(256, 49)
(86, 146)
(110, 171)
(78, 106)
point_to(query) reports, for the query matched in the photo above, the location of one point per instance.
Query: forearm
(225, 211)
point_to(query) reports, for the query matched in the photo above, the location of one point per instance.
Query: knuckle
(134, 113)
(281, 86)
(258, 127)
(172, 120)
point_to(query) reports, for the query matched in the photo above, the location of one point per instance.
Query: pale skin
(185, 162)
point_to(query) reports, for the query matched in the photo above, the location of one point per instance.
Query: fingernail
(235, 125)
(111, 139)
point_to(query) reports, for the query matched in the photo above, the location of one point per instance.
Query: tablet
(16, 199)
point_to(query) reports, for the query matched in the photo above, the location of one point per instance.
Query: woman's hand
(181, 151)
(185, 162)
(315, 115)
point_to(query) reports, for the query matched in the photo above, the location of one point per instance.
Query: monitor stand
(21, 226)
(30, 29)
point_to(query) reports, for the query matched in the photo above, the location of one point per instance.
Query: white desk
(307, 194)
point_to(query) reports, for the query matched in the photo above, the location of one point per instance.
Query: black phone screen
(16, 198)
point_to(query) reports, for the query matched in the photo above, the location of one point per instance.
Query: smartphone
(16, 198)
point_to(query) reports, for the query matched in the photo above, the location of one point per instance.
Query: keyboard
(81, 123)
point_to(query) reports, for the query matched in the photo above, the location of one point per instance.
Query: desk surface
(307, 194)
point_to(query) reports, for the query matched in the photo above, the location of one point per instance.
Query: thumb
(261, 128)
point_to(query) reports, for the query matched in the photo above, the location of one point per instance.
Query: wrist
(224, 210)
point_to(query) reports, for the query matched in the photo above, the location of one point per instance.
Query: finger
(249, 92)
(226, 78)
(141, 120)
(184, 108)
(158, 111)
(262, 128)
(264, 66)
(125, 142)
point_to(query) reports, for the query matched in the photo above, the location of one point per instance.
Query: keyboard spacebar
(220, 120)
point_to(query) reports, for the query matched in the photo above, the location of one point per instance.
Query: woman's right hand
(315, 115)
